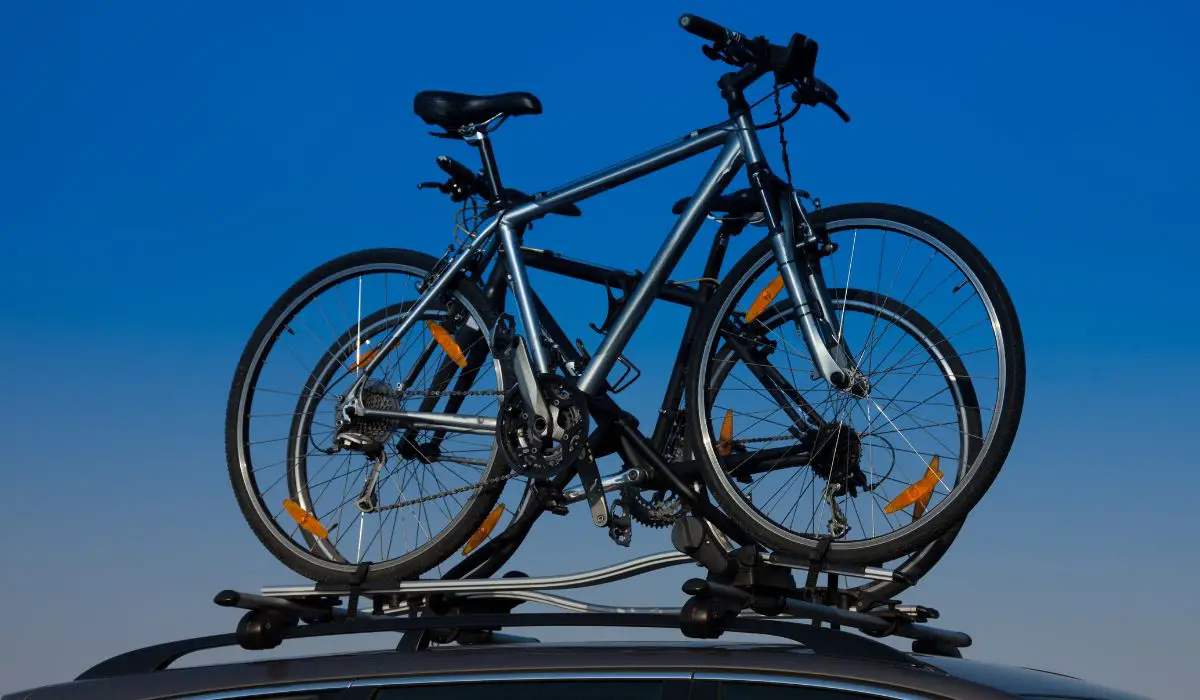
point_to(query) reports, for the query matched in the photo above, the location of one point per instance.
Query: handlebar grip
(704, 28)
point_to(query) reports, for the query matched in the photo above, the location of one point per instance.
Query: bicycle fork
(810, 299)
(801, 274)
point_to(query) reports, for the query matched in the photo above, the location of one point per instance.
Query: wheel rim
(764, 265)
(295, 540)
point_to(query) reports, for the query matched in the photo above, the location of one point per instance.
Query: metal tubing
(640, 299)
(868, 572)
(520, 288)
(584, 579)
(873, 623)
(439, 285)
(478, 425)
(616, 175)
(611, 483)
(596, 274)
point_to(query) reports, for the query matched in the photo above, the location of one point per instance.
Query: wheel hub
(368, 434)
(838, 450)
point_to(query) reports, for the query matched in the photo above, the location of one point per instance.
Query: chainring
(529, 444)
(658, 508)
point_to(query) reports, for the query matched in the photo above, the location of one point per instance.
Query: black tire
(920, 563)
(946, 515)
(241, 472)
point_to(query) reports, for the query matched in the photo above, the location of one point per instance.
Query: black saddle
(741, 203)
(452, 110)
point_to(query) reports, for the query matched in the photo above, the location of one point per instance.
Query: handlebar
(706, 29)
(794, 63)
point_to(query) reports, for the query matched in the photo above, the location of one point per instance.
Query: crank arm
(593, 488)
(611, 483)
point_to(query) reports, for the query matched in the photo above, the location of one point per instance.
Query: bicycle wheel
(916, 565)
(824, 435)
(308, 498)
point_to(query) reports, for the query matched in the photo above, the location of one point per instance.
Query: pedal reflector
(307, 521)
(725, 446)
(765, 297)
(444, 339)
(919, 493)
(489, 524)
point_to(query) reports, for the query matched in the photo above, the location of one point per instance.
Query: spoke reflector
(443, 338)
(364, 358)
(919, 493)
(489, 524)
(304, 519)
(765, 297)
(725, 446)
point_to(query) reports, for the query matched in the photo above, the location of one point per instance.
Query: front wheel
(881, 473)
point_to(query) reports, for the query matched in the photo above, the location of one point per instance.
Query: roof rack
(744, 592)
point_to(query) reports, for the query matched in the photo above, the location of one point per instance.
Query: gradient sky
(168, 169)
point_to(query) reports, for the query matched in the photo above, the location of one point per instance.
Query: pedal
(620, 526)
(589, 477)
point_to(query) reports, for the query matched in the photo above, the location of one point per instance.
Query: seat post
(491, 174)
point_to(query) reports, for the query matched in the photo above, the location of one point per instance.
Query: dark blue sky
(168, 169)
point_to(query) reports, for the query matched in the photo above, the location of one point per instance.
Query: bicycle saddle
(451, 110)
(740, 203)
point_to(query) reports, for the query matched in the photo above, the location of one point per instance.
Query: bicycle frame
(739, 145)
(506, 228)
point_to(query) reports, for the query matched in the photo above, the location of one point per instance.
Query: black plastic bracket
(818, 562)
(356, 584)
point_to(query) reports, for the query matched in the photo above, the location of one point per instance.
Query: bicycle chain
(430, 392)
(443, 494)
(461, 489)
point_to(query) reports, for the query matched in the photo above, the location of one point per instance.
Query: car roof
(740, 659)
(1028, 682)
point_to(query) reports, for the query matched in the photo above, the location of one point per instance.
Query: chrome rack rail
(742, 586)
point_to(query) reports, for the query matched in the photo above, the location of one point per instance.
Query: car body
(704, 670)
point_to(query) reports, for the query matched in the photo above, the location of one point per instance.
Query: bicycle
(548, 391)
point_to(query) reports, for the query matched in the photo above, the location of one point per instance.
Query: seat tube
(491, 173)
(520, 287)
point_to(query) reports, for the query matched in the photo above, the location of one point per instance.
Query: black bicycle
(833, 406)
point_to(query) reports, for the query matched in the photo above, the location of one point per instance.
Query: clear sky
(168, 169)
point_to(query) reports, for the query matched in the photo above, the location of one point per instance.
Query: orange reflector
(725, 446)
(443, 338)
(364, 358)
(765, 297)
(489, 524)
(919, 493)
(304, 519)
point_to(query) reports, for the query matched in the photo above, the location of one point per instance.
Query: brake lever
(840, 112)
(815, 91)
(716, 54)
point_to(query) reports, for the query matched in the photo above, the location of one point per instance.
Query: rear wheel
(406, 506)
